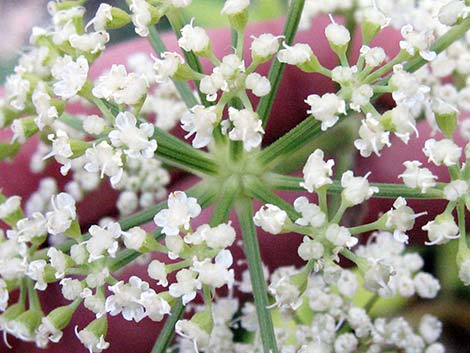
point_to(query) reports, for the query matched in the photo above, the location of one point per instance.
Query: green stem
(178, 153)
(257, 189)
(34, 302)
(365, 228)
(183, 88)
(244, 208)
(303, 134)
(323, 201)
(277, 68)
(463, 247)
(339, 213)
(386, 191)
(225, 201)
(168, 331)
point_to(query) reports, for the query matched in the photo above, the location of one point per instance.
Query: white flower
(455, 189)
(340, 236)
(136, 138)
(337, 34)
(430, 328)
(356, 189)
(61, 150)
(186, 286)
(58, 261)
(10, 205)
(361, 96)
(102, 17)
(194, 39)
(326, 108)
(407, 88)
(90, 42)
(181, 209)
(4, 295)
(417, 41)
(234, 7)
(218, 237)
(47, 332)
(297, 54)
(167, 66)
(70, 75)
(373, 56)
(71, 288)
(247, 127)
(450, 12)
(464, 272)
(126, 299)
(157, 271)
(416, 177)
(36, 271)
(426, 285)
(17, 89)
(346, 343)
(215, 274)
(180, 3)
(264, 46)
(270, 218)
(141, 16)
(441, 230)
(46, 113)
(104, 160)
(317, 172)
(103, 240)
(200, 121)
(377, 278)
(403, 121)
(62, 215)
(94, 125)
(401, 219)
(134, 238)
(155, 307)
(91, 342)
(373, 137)
(286, 294)
(121, 87)
(193, 332)
(310, 249)
(311, 213)
(441, 152)
(259, 85)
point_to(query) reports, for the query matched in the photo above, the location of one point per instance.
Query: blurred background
(20, 16)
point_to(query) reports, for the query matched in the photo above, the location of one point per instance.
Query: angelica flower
(234, 7)
(373, 138)
(194, 39)
(157, 271)
(94, 125)
(340, 236)
(167, 66)
(297, 54)
(356, 189)
(441, 152)
(337, 35)
(103, 240)
(310, 249)
(416, 177)
(286, 293)
(155, 307)
(270, 218)
(185, 286)
(126, 299)
(326, 108)
(426, 285)
(441, 230)
(62, 215)
(401, 219)
(464, 272)
(92, 336)
(36, 271)
(417, 41)
(450, 12)
(215, 274)
(90, 42)
(181, 209)
(373, 57)
(136, 138)
(200, 121)
(141, 16)
(377, 277)
(455, 189)
(264, 46)
(70, 75)
(4, 295)
(317, 172)
(311, 213)
(247, 127)
(102, 17)
(259, 85)
(46, 112)
(61, 150)
(102, 158)
(9, 206)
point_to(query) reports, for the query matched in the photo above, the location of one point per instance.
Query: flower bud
(25, 325)
(338, 36)
(139, 240)
(198, 328)
(237, 12)
(374, 20)
(23, 129)
(92, 336)
(446, 117)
